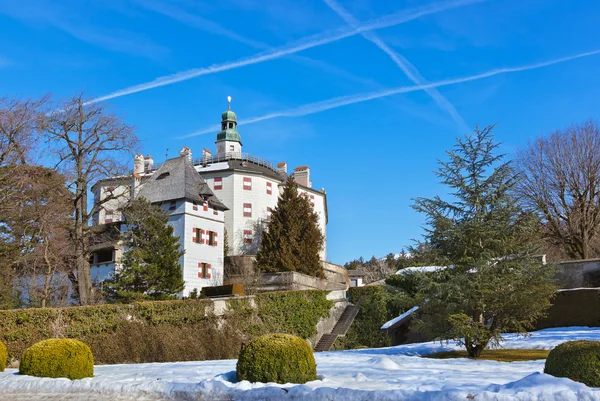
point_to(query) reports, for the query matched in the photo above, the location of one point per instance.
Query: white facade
(198, 224)
(250, 197)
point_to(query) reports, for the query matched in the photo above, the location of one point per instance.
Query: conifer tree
(150, 266)
(292, 240)
(495, 285)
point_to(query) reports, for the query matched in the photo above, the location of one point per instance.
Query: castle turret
(228, 141)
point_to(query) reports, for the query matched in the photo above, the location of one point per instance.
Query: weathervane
(228, 102)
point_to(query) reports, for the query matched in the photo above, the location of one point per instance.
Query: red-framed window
(212, 238)
(248, 183)
(218, 183)
(269, 188)
(247, 209)
(312, 200)
(247, 236)
(205, 206)
(197, 235)
(195, 206)
(204, 270)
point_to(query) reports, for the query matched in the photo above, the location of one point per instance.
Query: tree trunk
(84, 279)
(474, 350)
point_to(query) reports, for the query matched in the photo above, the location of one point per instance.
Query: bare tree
(36, 228)
(19, 131)
(88, 143)
(560, 182)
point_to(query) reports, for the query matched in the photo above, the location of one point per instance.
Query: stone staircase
(340, 328)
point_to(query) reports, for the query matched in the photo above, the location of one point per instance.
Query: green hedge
(279, 358)
(579, 307)
(164, 331)
(58, 357)
(577, 360)
(3, 357)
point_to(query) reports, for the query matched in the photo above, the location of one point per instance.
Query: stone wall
(578, 273)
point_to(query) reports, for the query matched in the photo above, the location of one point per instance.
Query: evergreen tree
(495, 285)
(292, 240)
(150, 266)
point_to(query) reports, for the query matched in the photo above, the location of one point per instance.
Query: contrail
(406, 66)
(313, 41)
(317, 107)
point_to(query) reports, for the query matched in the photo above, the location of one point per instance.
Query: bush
(576, 360)
(58, 357)
(279, 358)
(3, 356)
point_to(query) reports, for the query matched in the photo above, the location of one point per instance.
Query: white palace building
(227, 190)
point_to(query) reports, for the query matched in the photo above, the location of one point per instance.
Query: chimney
(148, 163)
(138, 164)
(186, 152)
(282, 168)
(206, 155)
(301, 175)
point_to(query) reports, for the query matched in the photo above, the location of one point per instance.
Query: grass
(500, 355)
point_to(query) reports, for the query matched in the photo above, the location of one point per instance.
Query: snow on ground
(421, 269)
(394, 373)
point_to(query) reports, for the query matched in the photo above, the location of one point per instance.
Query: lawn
(500, 355)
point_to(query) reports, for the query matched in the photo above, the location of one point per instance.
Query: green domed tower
(228, 139)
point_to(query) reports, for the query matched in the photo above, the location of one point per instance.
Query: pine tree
(292, 240)
(150, 266)
(495, 285)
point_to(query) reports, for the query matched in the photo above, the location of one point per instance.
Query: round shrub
(58, 357)
(576, 360)
(279, 358)
(3, 356)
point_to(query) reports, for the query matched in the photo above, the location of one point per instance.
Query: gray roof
(178, 179)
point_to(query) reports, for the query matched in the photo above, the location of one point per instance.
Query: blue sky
(368, 93)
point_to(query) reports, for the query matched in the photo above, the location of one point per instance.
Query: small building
(356, 278)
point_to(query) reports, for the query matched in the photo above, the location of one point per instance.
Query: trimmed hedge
(576, 360)
(279, 358)
(580, 307)
(58, 357)
(3, 356)
(166, 331)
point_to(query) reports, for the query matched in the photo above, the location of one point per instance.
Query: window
(197, 235)
(312, 200)
(203, 270)
(195, 206)
(247, 209)
(269, 188)
(212, 238)
(247, 236)
(108, 216)
(215, 212)
(218, 182)
(173, 205)
(163, 176)
(248, 183)
(231, 148)
(104, 256)
(230, 125)
(205, 206)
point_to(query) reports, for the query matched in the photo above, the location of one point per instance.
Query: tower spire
(228, 102)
